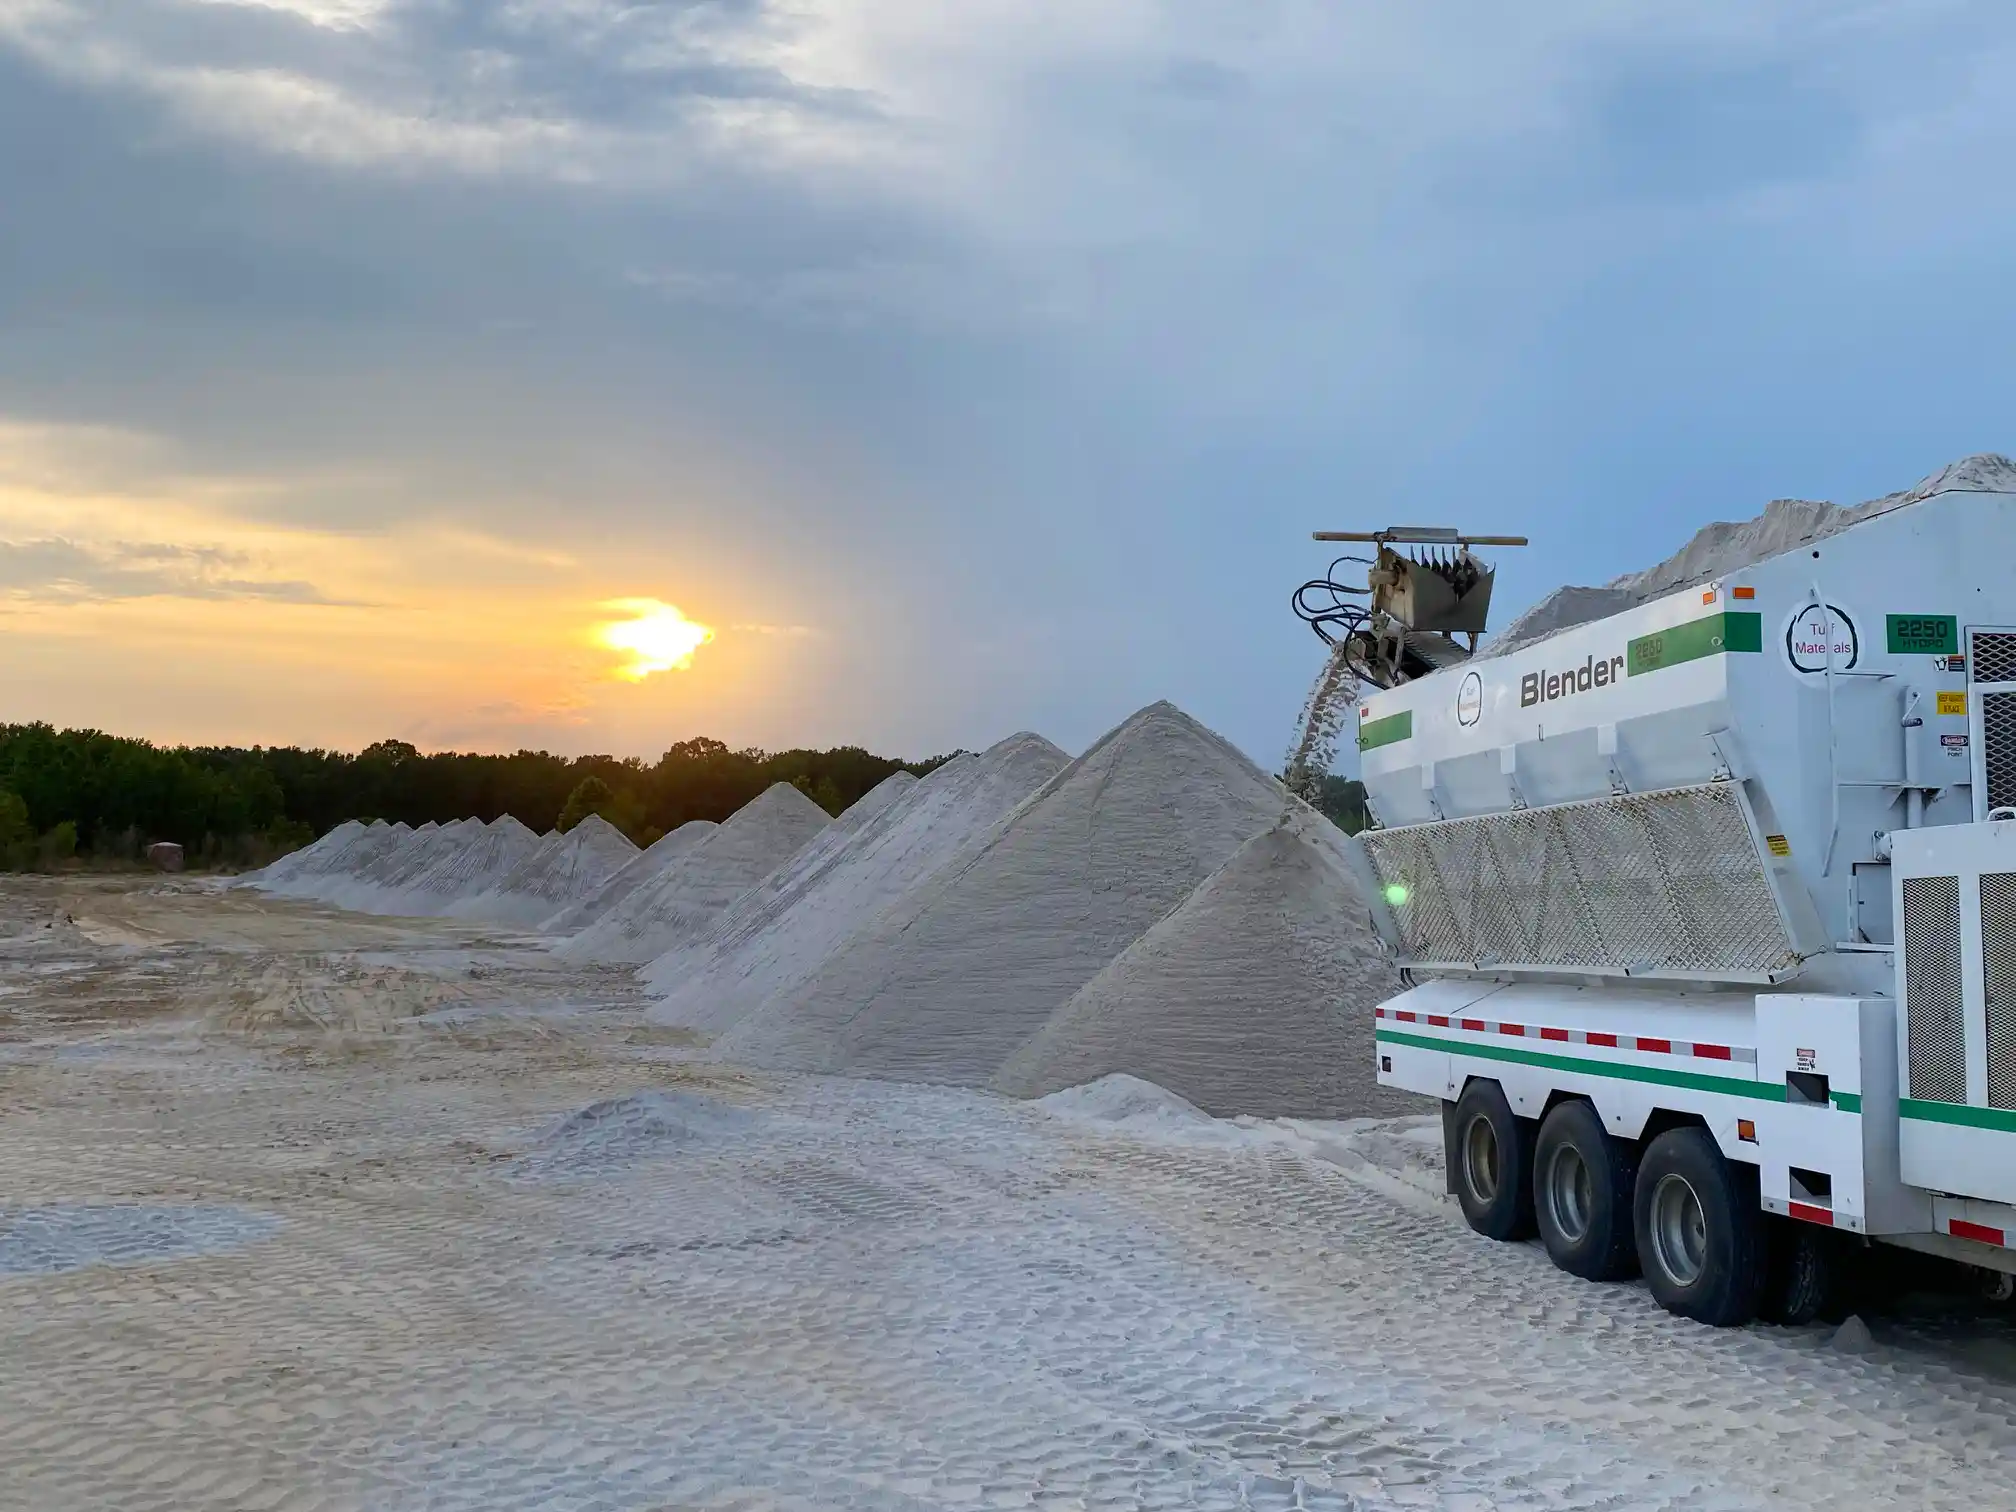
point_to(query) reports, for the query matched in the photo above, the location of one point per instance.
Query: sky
(963, 368)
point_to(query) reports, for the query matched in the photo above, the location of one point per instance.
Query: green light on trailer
(1396, 893)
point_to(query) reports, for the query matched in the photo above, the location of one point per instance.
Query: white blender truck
(1707, 908)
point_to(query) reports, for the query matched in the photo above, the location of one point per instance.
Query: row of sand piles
(1025, 922)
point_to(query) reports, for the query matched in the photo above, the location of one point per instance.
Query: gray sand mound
(775, 938)
(950, 983)
(678, 904)
(308, 858)
(630, 876)
(1127, 1101)
(484, 856)
(1255, 996)
(611, 1134)
(562, 872)
(1725, 547)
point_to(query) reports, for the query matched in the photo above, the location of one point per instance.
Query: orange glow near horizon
(656, 637)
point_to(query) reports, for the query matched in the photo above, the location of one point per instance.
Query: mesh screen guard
(1668, 883)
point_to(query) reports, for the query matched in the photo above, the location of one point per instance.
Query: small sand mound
(678, 904)
(621, 1130)
(775, 937)
(632, 875)
(948, 985)
(1124, 1099)
(1255, 996)
(562, 872)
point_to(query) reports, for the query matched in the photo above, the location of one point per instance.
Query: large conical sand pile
(554, 876)
(375, 847)
(308, 858)
(1728, 546)
(487, 854)
(947, 986)
(383, 879)
(632, 875)
(777, 937)
(1255, 996)
(677, 905)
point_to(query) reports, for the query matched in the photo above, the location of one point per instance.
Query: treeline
(66, 793)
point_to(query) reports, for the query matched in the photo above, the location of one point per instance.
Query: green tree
(591, 797)
(17, 835)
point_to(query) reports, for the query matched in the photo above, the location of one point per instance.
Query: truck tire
(1803, 1279)
(1584, 1184)
(1700, 1231)
(1491, 1153)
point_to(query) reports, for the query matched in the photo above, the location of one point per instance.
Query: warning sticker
(1778, 845)
(1956, 745)
(1952, 703)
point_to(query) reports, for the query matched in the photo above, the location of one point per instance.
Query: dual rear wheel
(1607, 1208)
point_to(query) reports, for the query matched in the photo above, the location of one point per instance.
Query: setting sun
(656, 637)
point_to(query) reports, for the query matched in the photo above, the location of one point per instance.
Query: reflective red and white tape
(1644, 1044)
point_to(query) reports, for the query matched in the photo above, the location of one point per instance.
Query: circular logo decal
(1817, 631)
(1470, 699)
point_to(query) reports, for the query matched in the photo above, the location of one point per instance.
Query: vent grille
(1653, 883)
(1998, 747)
(1993, 659)
(1998, 973)
(1935, 1039)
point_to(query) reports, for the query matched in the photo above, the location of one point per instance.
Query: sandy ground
(305, 1210)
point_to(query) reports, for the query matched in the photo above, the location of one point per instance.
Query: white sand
(561, 873)
(949, 984)
(1255, 996)
(1725, 547)
(678, 904)
(378, 886)
(776, 937)
(632, 875)
(487, 855)
(308, 858)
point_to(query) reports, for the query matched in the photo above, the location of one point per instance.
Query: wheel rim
(1569, 1189)
(1480, 1159)
(1679, 1230)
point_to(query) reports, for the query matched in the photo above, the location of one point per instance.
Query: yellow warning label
(1778, 845)
(1952, 703)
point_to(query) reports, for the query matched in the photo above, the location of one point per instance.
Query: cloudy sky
(965, 367)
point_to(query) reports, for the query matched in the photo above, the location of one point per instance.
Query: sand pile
(612, 1134)
(563, 871)
(486, 855)
(776, 938)
(947, 985)
(678, 904)
(1725, 547)
(1255, 996)
(367, 889)
(630, 876)
(308, 858)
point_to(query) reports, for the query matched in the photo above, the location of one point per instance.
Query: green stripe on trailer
(1966, 1115)
(1711, 635)
(1847, 1102)
(1385, 732)
(1695, 1081)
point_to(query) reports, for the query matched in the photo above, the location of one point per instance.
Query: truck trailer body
(1708, 912)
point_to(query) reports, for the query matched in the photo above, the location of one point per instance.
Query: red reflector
(1960, 1229)
(1440, 1021)
(1712, 1052)
(1809, 1214)
(1554, 1034)
(1475, 1026)
(1405, 1018)
(1515, 1029)
(1608, 1041)
(1657, 1047)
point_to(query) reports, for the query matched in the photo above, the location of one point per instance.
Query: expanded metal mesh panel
(1998, 747)
(1935, 1040)
(1993, 659)
(1998, 974)
(1648, 882)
